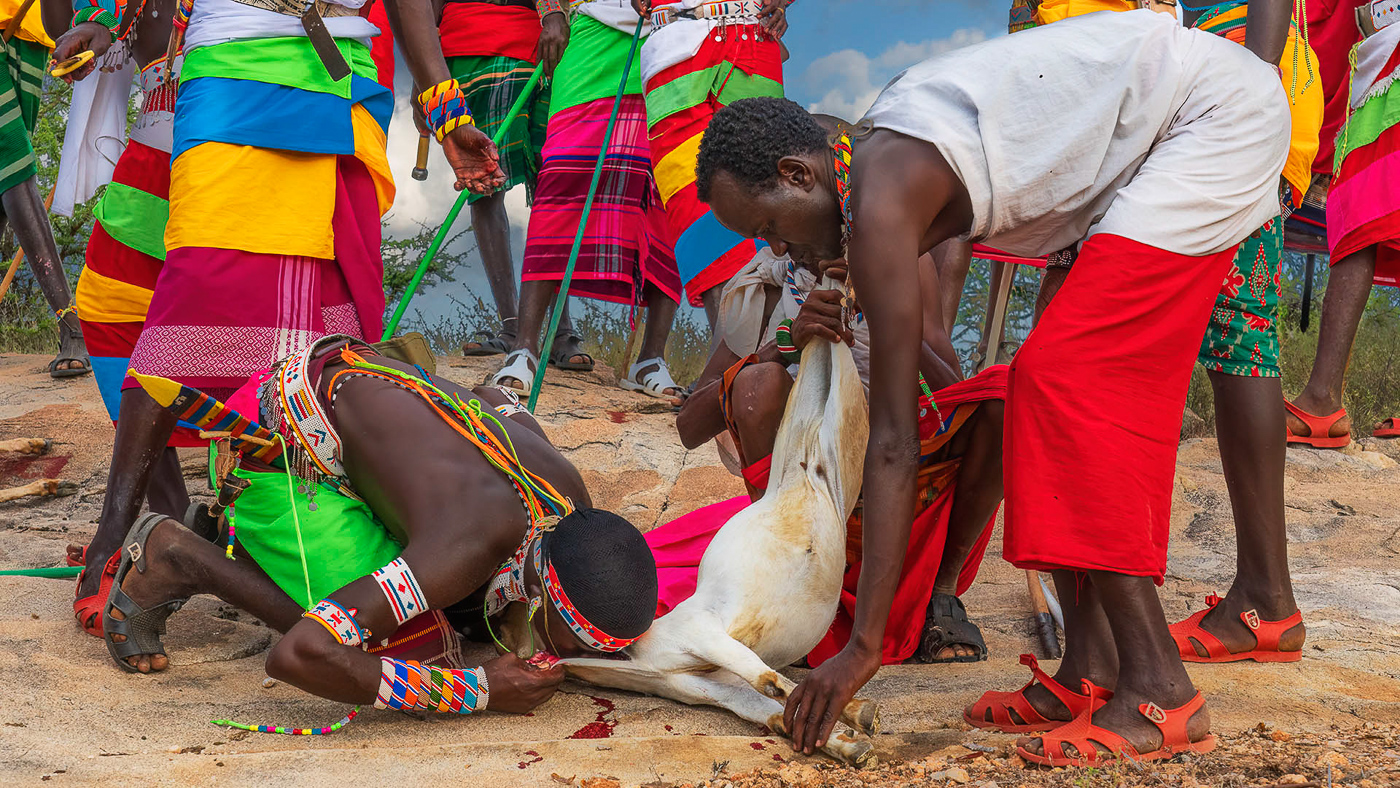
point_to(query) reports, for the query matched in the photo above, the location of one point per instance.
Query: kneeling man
(769, 311)
(1159, 145)
(388, 494)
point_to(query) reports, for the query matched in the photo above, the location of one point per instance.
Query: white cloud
(848, 81)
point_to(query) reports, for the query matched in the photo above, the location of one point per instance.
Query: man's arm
(472, 156)
(700, 418)
(900, 195)
(310, 658)
(1266, 28)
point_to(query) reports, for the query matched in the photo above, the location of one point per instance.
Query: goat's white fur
(770, 580)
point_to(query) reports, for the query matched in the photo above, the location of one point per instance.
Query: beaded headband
(509, 586)
(592, 636)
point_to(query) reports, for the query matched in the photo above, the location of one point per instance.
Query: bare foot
(1121, 716)
(162, 581)
(955, 650)
(1225, 623)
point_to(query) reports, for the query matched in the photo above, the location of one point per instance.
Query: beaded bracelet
(547, 7)
(339, 621)
(99, 15)
(407, 685)
(786, 348)
(445, 108)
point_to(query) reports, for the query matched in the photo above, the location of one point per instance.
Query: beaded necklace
(841, 163)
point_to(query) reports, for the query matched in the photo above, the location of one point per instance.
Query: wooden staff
(1044, 622)
(420, 168)
(16, 20)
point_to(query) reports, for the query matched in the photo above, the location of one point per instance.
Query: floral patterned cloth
(1242, 338)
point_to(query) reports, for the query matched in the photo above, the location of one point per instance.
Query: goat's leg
(735, 694)
(735, 657)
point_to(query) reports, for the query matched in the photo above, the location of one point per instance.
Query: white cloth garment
(221, 21)
(741, 308)
(1368, 81)
(96, 130)
(680, 40)
(1122, 123)
(617, 14)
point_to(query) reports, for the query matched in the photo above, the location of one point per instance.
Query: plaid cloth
(625, 244)
(492, 84)
(20, 85)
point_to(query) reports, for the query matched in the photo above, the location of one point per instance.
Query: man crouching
(411, 494)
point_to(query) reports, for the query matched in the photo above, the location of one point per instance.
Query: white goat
(770, 580)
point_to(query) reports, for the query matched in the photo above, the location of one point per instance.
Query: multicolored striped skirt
(124, 258)
(625, 244)
(627, 241)
(273, 239)
(1363, 206)
(219, 315)
(492, 83)
(733, 62)
(21, 82)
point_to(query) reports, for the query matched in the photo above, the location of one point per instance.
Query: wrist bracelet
(547, 7)
(445, 108)
(786, 348)
(483, 689)
(99, 15)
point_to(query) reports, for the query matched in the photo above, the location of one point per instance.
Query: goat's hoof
(859, 753)
(868, 720)
(768, 685)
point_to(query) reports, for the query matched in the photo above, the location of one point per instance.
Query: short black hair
(747, 138)
(607, 569)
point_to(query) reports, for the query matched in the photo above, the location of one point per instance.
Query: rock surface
(71, 717)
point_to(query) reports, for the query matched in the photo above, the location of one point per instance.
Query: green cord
(296, 521)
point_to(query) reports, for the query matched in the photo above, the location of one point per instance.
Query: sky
(842, 53)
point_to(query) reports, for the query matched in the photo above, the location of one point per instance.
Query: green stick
(583, 222)
(44, 571)
(451, 219)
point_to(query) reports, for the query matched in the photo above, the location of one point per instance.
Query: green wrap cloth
(343, 540)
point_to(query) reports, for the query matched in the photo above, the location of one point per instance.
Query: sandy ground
(70, 717)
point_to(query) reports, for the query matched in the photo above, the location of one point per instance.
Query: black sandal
(66, 352)
(567, 345)
(947, 625)
(142, 627)
(492, 344)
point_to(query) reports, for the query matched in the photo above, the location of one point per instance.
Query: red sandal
(1032, 721)
(88, 609)
(1319, 428)
(1084, 734)
(1382, 431)
(1266, 635)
